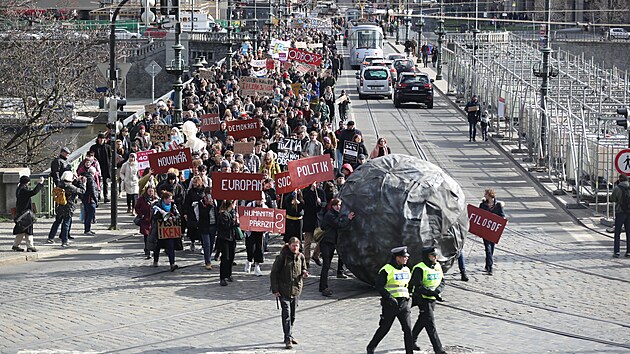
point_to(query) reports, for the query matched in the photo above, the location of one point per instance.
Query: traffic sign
(153, 68)
(122, 68)
(622, 162)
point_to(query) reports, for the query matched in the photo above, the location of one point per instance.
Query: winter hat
(67, 176)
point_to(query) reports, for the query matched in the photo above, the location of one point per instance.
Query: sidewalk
(582, 215)
(126, 228)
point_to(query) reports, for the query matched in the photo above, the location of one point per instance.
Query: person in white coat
(129, 177)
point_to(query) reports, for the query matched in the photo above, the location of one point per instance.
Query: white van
(375, 81)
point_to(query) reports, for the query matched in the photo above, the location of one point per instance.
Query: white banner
(277, 46)
(258, 63)
(260, 73)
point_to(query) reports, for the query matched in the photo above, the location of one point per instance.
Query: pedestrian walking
(287, 274)
(143, 215)
(208, 213)
(332, 222)
(24, 216)
(293, 203)
(472, 109)
(254, 243)
(491, 204)
(130, 177)
(621, 197)
(72, 188)
(425, 285)
(89, 199)
(314, 201)
(391, 283)
(103, 154)
(226, 241)
(59, 165)
(485, 122)
(163, 210)
(381, 149)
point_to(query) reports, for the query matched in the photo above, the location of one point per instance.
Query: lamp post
(407, 21)
(544, 87)
(440, 32)
(228, 57)
(176, 68)
(113, 115)
(255, 30)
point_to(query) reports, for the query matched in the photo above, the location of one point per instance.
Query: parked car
(154, 32)
(122, 33)
(618, 33)
(374, 81)
(414, 87)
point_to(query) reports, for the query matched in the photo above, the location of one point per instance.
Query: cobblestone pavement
(555, 288)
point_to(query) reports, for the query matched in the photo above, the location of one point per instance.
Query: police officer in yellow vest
(425, 286)
(391, 283)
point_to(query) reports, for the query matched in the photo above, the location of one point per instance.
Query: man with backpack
(66, 204)
(621, 197)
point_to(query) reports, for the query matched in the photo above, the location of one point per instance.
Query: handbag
(318, 234)
(25, 220)
(238, 234)
(137, 220)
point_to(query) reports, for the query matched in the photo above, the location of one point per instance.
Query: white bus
(363, 40)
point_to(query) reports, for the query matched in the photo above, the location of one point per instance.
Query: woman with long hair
(130, 178)
(143, 212)
(162, 210)
(293, 203)
(381, 149)
(226, 242)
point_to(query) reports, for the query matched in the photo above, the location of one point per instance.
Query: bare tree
(46, 69)
(609, 11)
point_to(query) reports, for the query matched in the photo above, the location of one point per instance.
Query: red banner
(244, 128)
(241, 186)
(262, 219)
(283, 183)
(270, 64)
(161, 161)
(305, 172)
(485, 224)
(304, 57)
(142, 157)
(210, 122)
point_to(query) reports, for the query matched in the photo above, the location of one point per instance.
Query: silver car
(374, 81)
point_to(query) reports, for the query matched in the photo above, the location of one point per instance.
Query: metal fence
(582, 137)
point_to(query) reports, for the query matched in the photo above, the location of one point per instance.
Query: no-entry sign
(622, 162)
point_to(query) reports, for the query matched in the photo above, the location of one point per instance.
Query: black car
(414, 87)
(404, 65)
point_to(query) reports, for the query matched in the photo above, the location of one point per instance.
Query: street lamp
(228, 57)
(113, 106)
(440, 32)
(176, 67)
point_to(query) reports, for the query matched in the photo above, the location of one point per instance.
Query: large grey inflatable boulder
(400, 200)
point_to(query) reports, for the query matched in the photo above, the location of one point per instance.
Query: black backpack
(625, 199)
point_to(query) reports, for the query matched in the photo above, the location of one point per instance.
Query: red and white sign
(255, 85)
(622, 162)
(303, 56)
(262, 219)
(283, 183)
(143, 160)
(241, 186)
(210, 122)
(161, 161)
(240, 129)
(485, 224)
(307, 171)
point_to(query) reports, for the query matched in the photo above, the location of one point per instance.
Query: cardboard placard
(160, 133)
(290, 144)
(283, 183)
(262, 219)
(246, 147)
(296, 88)
(210, 122)
(285, 156)
(350, 152)
(161, 161)
(304, 56)
(242, 186)
(304, 68)
(207, 74)
(150, 108)
(171, 228)
(485, 224)
(252, 85)
(244, 128)
(306, 171)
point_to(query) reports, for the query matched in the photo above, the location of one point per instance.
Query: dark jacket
(23, 195)
(496, 209)
(156, 213)
(225, 225)
(102, 154)
(617, 195)
(346, 135)
(294, 210)
(286, 273)
(331, 224)
(194, 195)
(91, 190)
(473, 115)
(208, 216)
(311, 208)
(73, 191)
(57, 167)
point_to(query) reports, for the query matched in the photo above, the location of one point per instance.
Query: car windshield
(375, 74)
(403, 64)
(414, 79)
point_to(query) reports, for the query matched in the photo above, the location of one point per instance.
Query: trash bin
(101, 103)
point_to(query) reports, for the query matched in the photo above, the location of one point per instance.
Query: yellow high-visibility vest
(397, 280)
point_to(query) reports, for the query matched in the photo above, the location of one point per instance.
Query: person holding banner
(491, 204)
(254, 243)
(143, 213)
(314, 201)
(163, 210)
(207, 212)
(226, 242)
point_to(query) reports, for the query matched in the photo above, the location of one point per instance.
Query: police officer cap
(429, 250)
(400, 251)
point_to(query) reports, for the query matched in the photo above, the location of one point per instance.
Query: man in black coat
(346, 134)
(24, 224)
(60, 165)
(103, 154)
(474, 113)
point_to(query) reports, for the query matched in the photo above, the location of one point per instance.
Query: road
(555, 288)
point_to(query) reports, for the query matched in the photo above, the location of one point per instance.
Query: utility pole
(228, 58)
(440, 32)
(475, 32)
(176, 66)
(407, 21)
(544, 87)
